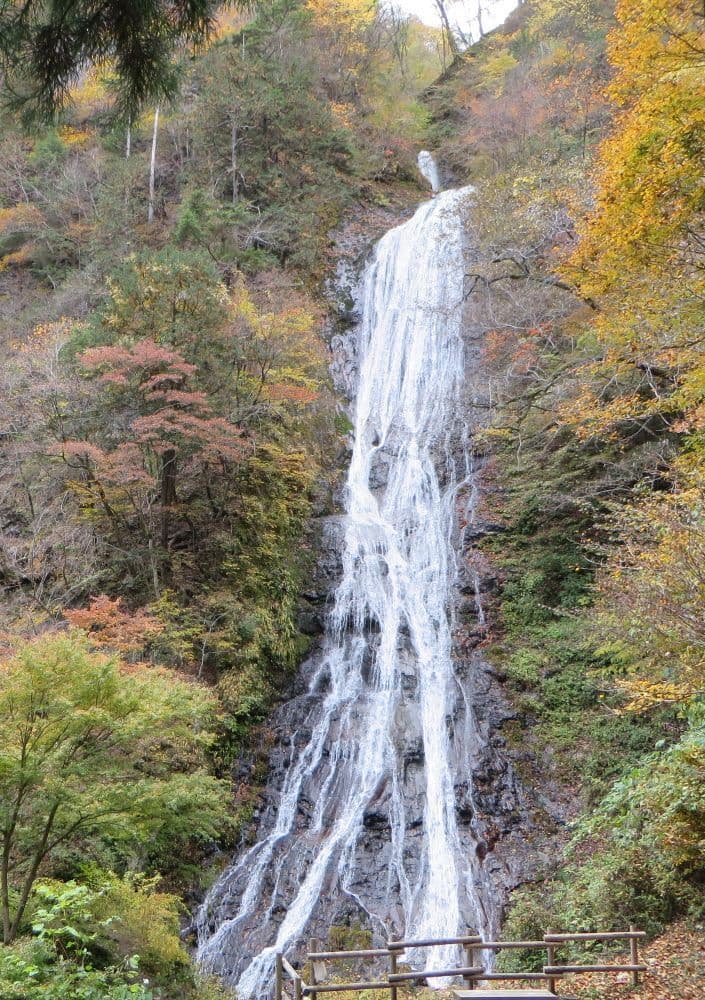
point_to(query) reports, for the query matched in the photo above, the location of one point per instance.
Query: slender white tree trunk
(128, 139)
(153, 165)
(233, 159)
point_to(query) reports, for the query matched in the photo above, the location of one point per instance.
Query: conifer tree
(45, 45)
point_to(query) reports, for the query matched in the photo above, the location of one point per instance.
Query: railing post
(297, 988)
(634, 950)
(312, 948)
(469, 950)
(393, 972)
(279, 977)
(551, 960)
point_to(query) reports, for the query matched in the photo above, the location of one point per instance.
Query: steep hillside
(581, 127)
(169, 434)
(169, 430)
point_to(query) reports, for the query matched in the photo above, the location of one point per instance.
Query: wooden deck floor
(481, 994)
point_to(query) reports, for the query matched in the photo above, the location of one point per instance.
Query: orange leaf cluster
(110, 627)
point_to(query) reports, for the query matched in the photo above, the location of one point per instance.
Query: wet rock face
(328, 532)
(379, 472)
(494, 813)
(370, 880)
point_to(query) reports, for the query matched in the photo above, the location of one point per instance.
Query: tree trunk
(6, 895)
(7, 841)
(152, 166)
(168, 490)
(447, 30)
(31, 877)
(233, 159)
(128, 139)
(154, 565)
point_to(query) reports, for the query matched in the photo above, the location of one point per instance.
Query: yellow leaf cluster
(74, 136)
(640, 253)
(344, 114)
(651, 186)
(46, 335)
(91, 93)
(337, 15)
(20, 258)
(645, 695)
(24, 217)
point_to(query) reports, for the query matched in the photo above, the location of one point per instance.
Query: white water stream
(391, 612)
(429, 168)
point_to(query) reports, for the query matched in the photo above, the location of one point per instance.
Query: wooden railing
(632, 936)
(472, 972)
(497, 946)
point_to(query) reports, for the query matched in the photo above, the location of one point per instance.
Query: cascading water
(429, 169)
(385, 748)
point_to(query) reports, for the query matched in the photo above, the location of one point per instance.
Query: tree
(169, 420)
(45, 47)
(343, 27)
(113, 629)
(153, 166)
(449, 34)
(91, 749)
(122, 460)
(478, 18)
(266, 139)
(41, 549)
(641, 257)
(652, 596)
(160, 427)
(250, 359)
(650, 192)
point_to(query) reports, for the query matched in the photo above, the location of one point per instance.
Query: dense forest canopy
(171, 182)
(585, 119)
(169, 429)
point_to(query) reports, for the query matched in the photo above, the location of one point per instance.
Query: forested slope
(581, 125)
(168, 430)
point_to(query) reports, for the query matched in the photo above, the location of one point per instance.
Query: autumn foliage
(641, 253)
(109, 626)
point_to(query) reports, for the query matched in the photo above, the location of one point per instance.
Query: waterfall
(428, 168)
(368, 815)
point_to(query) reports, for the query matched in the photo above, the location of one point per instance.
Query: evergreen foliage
(46, 45)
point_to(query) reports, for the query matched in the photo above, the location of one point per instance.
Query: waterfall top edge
(428, 168)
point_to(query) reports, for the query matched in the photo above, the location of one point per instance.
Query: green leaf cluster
(95, 752)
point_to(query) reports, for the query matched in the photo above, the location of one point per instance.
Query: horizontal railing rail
(599, 936)
(556, 969)
(404, 977)
(503, 945)
(561, 970)
(433, 942)
(332, 956)
(538, 976)
(312, 989)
